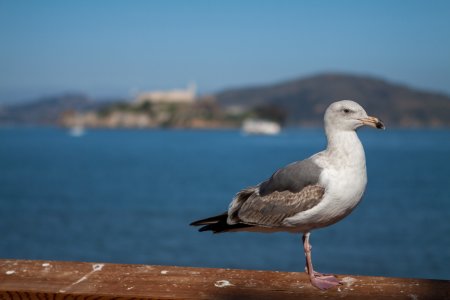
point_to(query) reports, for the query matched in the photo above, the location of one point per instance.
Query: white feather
(344, 178)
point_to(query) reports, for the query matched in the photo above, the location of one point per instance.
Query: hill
(294, 102)
(46, 110)
(304, 100)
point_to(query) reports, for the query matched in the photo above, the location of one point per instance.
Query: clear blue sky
(107, 48)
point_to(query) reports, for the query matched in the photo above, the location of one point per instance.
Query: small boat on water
(255, 126)
(77, 131)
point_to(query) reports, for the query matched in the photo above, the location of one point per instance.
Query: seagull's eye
(346, 110)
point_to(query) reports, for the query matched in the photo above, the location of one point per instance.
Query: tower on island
(187, 95)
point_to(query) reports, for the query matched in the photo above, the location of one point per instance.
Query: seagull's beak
(373, 122)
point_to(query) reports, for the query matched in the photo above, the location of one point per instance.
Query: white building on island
(187, 95)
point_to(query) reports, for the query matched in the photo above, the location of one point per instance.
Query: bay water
(128, 196)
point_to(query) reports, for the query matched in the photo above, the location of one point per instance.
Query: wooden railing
(41, 280)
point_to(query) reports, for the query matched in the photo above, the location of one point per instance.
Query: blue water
(127, 196)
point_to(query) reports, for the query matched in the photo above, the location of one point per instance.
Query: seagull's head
(348, 115)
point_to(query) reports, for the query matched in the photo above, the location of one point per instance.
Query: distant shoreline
(288, 128)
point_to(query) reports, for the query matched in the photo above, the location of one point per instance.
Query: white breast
(344, 178)
(344, 189)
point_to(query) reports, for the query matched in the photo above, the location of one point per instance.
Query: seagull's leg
(306, 265)
(307, 248)
(318, 280)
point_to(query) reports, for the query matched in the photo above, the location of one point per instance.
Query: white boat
(254, 126)
(77, 131)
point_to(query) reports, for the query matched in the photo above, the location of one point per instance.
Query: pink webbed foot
(324, 282)
(319, 280)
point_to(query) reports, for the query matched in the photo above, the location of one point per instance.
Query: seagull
(309, 194)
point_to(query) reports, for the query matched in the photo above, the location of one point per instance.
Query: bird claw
(324, 282)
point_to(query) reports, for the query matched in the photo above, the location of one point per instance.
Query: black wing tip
(211, 220)
(207, 228)
(221, 227)
(196, 223)
(217, 224)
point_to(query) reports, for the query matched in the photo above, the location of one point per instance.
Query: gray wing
(271, 210)
(294, 177)
(290, 190)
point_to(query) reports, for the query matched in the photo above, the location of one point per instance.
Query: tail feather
(210, 220)
(218, 224)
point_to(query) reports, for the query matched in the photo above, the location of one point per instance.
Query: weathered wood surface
(29, 280)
